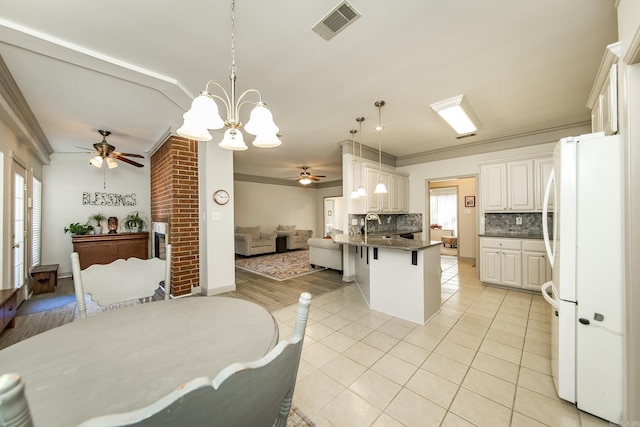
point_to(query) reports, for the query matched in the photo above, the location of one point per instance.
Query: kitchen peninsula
(397, 276)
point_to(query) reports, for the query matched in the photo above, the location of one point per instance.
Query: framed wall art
(469, 201)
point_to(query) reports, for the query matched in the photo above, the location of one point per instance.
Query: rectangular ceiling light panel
(458, 114)
(336, 20)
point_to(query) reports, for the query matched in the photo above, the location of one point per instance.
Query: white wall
(269, 205)
(64, 182)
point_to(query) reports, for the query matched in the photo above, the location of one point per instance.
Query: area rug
(298, 419)
(36, 305)
(279, 266)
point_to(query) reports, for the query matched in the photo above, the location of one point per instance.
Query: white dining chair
(256, 394)
(120, 283)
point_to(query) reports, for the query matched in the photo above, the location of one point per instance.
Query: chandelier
(203, 114)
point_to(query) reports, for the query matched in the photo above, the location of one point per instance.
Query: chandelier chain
(232, 67)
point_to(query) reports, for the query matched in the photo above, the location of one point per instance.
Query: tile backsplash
(505, 224)
(396, 223)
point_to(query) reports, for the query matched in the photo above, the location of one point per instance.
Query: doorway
(332, 215)
(19, 226)
(462, 220)
(443, 218)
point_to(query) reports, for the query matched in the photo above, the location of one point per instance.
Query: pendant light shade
(380, 187)
(266, 141)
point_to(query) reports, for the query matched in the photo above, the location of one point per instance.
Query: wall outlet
(518, 220)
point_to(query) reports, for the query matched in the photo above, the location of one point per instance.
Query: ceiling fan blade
(91, 150)
(124, 159)
(128, 154)
(319, 176)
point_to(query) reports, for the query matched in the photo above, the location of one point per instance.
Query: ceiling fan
(306, 178)
(105, 154)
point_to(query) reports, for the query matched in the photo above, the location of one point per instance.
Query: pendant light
(354, 192)
(380, 187)
(361, 191)
(204, 115)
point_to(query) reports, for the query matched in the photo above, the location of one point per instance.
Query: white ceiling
(132, 67)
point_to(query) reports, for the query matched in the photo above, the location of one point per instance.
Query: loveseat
(323, 252)
(296, 239)
(251, 241)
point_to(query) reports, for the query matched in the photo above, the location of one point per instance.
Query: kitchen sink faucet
(369, 217)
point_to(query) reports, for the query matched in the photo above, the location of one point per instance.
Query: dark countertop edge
(512, 236)
(398, 243)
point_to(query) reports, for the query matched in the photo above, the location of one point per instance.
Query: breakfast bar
(397, 276)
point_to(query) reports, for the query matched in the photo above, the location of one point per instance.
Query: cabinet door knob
(584, 321)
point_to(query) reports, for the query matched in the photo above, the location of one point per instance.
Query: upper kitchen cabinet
(543, 167)
(603, 100)
(395, 200)
(508, 186)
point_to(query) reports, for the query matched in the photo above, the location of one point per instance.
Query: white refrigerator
(586, 290)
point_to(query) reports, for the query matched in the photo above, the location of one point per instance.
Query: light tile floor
(482, 360)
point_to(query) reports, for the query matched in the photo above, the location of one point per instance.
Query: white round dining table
(125, 359)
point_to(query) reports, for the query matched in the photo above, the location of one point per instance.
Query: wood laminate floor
(271, 294)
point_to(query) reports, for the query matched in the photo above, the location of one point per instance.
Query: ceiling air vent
(337, 20)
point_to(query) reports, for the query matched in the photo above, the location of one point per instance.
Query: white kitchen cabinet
(494, 187)
(543, 167)
(501, 261)
(536, 269)
(395, 200)
(603, 100)
(520, 185)
(518, 263)
(515, 185)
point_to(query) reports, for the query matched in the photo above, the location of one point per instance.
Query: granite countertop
(379, 241)
(508, 235)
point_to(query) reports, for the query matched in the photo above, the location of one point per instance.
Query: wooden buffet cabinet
(105, 248)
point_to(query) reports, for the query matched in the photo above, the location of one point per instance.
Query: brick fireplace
(174, 201)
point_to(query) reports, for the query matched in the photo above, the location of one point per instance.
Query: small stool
(45, 278)
(452, 241)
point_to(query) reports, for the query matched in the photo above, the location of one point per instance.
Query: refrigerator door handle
(546, 296)
(545, 211)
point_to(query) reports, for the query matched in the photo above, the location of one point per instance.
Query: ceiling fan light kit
(306, 178)
(204, 114)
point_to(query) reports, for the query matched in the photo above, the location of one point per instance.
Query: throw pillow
(286, 228)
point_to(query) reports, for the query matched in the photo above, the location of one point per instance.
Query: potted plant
(77, 228)
(97, 218)
(133, 222)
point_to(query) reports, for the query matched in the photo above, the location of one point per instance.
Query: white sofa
(324, 253)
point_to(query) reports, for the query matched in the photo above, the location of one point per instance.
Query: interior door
(19, 226)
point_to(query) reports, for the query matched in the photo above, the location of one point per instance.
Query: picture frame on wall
(469, 201)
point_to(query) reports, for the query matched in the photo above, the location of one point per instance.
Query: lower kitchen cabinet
(501, 261)
(536, 269)
(515, 263)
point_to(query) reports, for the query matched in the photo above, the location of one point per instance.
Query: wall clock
(221, 197)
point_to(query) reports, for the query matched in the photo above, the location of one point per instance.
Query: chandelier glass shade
(304, 180)
(204, 115)
(380, 187)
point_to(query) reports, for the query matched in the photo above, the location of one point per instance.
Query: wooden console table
(8, 307)
(106, 248)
